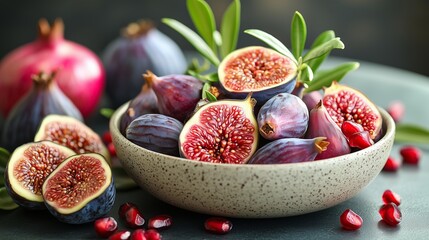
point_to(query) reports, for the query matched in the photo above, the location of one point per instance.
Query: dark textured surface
(382, 84)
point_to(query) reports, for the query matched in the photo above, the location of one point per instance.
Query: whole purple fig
(289, 150)
(321, 124)
(156, 132)
(311, 99)
(283, 116)
(145, 102)
(177, 94)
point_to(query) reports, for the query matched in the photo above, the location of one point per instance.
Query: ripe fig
(311, 99)
(344, 103)
(80, 189)
(145, 102)
(43, 99)
(224, 131)
(321, 124)
(177, 94)
(27, 169)
(71, 133)
(156, 132)
(256, 69)
(290, 150)
(283, 116)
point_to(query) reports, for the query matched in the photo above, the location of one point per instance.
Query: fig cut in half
(224, 131)
(80, 189)
(344, 103)
(72, 133)
(256, 69)
(27, 169)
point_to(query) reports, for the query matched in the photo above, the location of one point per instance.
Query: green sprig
(410, 133)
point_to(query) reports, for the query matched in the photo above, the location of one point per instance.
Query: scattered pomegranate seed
(350, 220)
(390, 196)
(104, 227)
(107, 137)
(410, 154)
(112, 149)
(138, 234)
(160, 222)
(391, 165)
(218, 225)
(124, 207)
(121, 235)
(390, 214)
(152, 234)
(134, 218)
(396, 109)
(360, 140)
(349, 128)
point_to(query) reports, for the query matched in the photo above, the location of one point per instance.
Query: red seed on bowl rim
(218, 225)
(410, 154)
(350, 220)
(392, 165)
(391, 214)
(390, 196)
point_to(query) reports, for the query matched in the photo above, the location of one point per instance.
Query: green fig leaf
(410, 133)
(271, 41)
(306, 74)
(194, 39)
(230, 27)
(6, 202)
(322, 38)
(298, 34)
(4, 157)
(210, 97)
(323, 49)
(203, 18)
(324, 78)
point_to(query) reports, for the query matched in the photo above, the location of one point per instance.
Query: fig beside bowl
(252, 191)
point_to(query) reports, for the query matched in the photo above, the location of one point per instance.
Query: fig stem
(320, 144)
(267, 129)
(137, 29)
(149, 77)
(43, 79)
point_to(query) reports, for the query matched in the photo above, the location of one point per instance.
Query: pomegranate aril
(121, 235)
(349, 128)
(124, 207)
(104, 227)
(410, 154)
(396, 110)
(360, 140)
(391, 165)
(390, 196)
(138, 234)
(134, 218)
(218, 225)
(107, 137)
(160, 222)
(350, 220)
(152, 234)
(112, 150)
(390, 214)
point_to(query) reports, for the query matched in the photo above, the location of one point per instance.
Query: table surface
(382, 85)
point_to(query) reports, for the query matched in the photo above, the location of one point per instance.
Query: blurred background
(389, 32)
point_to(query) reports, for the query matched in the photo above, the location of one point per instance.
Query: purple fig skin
(283, 116)
(145, 102)
(321, 124)
(156, 132)
(311, 99)
(289, 150)
(177, 94)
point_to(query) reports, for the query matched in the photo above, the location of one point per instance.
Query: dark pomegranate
(350, 220)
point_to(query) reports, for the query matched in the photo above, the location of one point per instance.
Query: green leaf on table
(6, 202)
(324, 78)
(271, 41)
(122, 180)
(4, 157)
(107, 112)
(230, 28)
(203, 18)
(298, 34)
(322, 38)
(410, 133)
(323, 48)
(194, 39)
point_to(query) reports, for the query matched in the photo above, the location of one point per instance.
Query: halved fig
(80, 189)
(71, 133)
(344, 103)
(256, 69)
(224, 131)
(27, 169)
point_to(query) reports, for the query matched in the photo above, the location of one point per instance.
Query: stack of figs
(254, 118)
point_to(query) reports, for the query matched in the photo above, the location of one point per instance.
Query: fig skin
(311, 99)
(283, 116)
(321, 124)
(156, 132)
(289, 150)
(90, 208)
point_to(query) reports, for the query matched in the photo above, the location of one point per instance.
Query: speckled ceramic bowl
(252, 191)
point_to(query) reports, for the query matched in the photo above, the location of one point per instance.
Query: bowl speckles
(252, 191)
